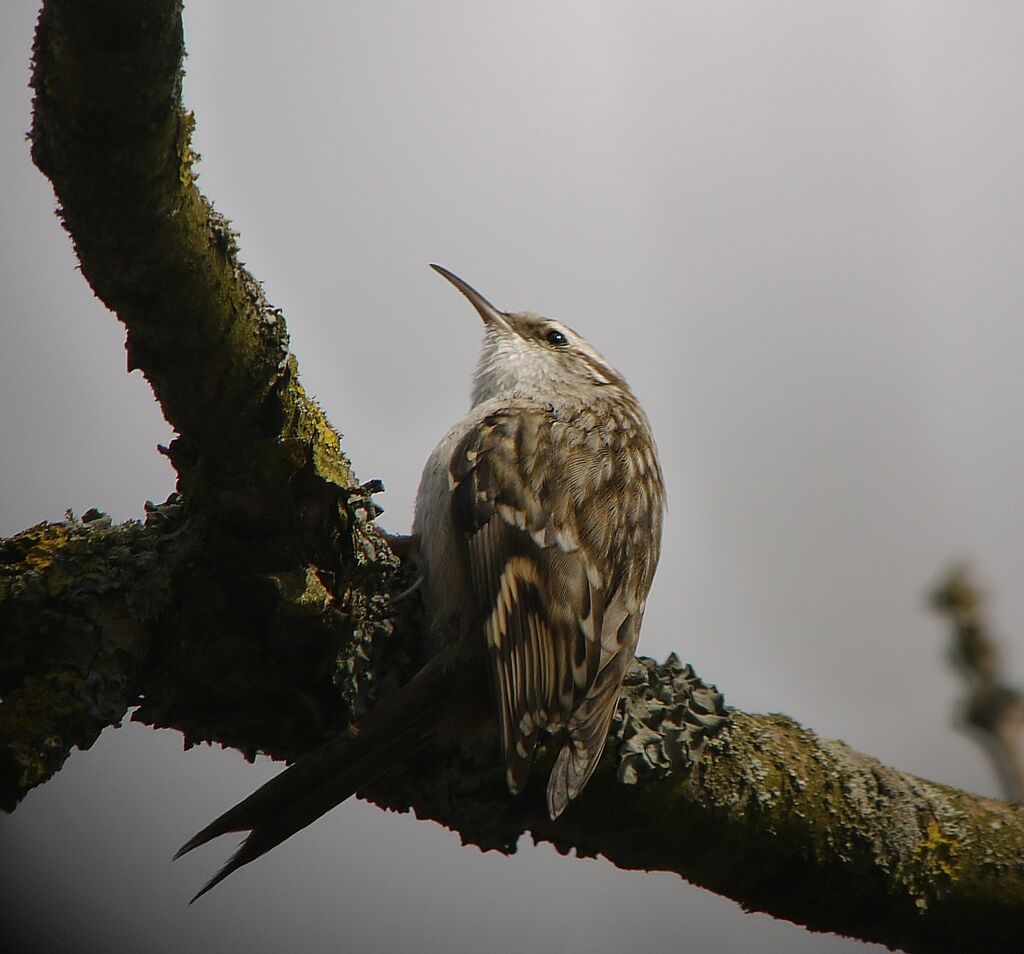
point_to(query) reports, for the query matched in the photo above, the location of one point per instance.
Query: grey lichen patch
(664, 720)
(369, 665)
(891, 821)
(866, 816)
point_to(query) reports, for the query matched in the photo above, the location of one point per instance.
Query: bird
(537, 532)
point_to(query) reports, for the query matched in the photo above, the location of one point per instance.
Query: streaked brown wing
(540, 603)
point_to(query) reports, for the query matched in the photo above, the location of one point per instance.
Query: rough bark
(251, 609)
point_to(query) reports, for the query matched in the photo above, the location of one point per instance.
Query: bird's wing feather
(589, 723)
(540, 597)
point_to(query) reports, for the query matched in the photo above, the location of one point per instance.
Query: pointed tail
(303, 792)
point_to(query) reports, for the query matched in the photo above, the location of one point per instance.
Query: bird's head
(528, 355)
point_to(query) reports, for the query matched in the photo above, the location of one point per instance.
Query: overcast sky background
(795, 227)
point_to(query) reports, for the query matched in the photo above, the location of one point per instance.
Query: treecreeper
(538, 527)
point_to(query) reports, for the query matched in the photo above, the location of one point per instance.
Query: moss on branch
(73, 639)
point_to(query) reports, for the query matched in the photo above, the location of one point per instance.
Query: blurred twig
(993, 712)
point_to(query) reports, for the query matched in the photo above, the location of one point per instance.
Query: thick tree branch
(110, 133)
(251, 609)
(761, 810)
(281, 558)
(254, 454)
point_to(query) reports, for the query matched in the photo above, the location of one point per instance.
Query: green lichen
(38, 723)
(939, 853)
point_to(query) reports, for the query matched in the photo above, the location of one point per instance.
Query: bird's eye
(556, 338)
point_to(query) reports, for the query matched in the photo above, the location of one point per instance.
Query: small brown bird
(539, 525)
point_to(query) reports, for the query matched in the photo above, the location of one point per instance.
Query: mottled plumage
(539, 526)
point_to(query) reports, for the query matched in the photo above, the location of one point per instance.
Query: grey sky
(795, 227)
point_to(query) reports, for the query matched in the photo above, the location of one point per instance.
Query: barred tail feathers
(588, 733)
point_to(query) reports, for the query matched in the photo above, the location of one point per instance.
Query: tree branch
(252, 610)
(760, 810)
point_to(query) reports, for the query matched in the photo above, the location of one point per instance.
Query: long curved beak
(490, 314)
